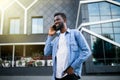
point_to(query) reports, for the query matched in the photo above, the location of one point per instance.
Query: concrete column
(24, 50)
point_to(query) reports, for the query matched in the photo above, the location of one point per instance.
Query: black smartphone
(59, 27)
(54, 27)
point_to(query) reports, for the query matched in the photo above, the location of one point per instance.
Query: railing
(26, 61)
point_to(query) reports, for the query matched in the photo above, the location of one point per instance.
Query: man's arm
(85, 50)
(48, 46)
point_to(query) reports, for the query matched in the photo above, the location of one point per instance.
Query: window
(14, 26)
(93, 9)
(24, 56)
(94, 18)
(115, 10)
(117, 38)
(104, 53)
(5, 56)
(104, 8)
(37, 25)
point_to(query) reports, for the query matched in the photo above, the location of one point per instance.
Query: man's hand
(51, 31)
(69, 71)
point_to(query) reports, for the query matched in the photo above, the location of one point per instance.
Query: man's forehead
(57, 17)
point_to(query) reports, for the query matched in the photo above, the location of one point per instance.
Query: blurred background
(24, 26)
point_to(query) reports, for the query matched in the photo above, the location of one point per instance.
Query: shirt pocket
(74, 46)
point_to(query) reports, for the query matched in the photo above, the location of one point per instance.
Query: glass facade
(117, 0)
(24, 56)
(105, 53)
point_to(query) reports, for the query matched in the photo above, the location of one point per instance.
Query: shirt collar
(68, 30)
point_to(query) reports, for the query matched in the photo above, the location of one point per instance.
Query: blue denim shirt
(78, 50)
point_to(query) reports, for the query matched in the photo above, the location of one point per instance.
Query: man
(68, 48)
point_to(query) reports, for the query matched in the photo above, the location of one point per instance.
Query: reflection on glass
(24, 56)
(115, 17)
(117, 0)
(95, 26)
(6, 56)
(32, 50)
(116, 30)
(98, 53)
(105, 17)
(115, 10)
(116, 24)
(117, 38)
(107, 25)
(94, 18)
(104, 8)
(93, 9)
(104, 53)
(109, 36)
(96, 30)
(18, 51)
(118, 53)
(107, 30)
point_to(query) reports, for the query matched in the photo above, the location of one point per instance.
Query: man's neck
(63, 29)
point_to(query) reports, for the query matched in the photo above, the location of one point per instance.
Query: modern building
(24, 25)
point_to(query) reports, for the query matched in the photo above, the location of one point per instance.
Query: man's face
(59, 22)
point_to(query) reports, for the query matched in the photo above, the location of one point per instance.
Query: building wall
(47, 9)
(14, 11)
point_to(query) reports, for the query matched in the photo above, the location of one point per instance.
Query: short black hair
(61, 14)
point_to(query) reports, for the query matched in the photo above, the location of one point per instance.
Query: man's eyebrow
(56, 19)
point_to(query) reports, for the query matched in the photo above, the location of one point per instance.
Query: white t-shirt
(62, 56)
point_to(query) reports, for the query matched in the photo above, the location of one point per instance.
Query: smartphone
(59, 27)
(54, 27)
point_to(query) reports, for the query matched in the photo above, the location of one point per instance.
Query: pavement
(49, 77)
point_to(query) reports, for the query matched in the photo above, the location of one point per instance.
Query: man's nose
(56, 22)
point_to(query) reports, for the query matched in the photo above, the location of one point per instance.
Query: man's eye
(56, 20)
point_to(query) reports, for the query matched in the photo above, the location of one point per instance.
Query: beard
(60, 26)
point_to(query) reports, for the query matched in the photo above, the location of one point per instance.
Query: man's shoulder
(74, 31)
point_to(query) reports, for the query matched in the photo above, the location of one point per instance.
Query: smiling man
(68, 48)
